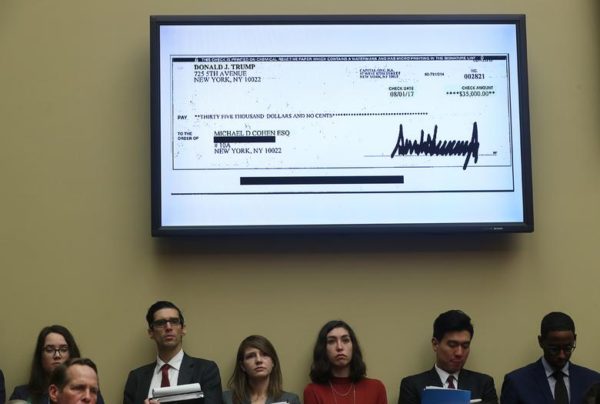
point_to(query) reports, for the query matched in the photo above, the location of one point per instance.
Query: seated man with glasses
(172, 366)
(553, 379)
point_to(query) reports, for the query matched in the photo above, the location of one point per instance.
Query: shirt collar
(444, 375)
(175, 361)
(549, 370)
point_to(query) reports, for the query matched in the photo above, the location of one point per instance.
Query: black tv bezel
(158, 230)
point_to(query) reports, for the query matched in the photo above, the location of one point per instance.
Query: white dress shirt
(174, 366)
(444, 376)
(552, 380)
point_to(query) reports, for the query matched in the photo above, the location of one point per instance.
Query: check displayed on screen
(297, 122)
(336, 123)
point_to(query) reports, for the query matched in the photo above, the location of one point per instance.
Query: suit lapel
(464, 380)
(574, 383)
(541, 380)
(186, 371)
(434, 378)
(144, 386)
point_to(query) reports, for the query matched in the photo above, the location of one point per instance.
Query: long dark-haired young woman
(338, 372)
(55, 345)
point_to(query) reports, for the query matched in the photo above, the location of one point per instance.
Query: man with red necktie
(451, 342)
(172, 367)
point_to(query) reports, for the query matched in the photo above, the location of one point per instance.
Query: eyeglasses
(555, 349)
(175, 321)
(52, 350)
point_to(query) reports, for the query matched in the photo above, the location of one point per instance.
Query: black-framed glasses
(175, 321)
(53, 350)
(556, 349)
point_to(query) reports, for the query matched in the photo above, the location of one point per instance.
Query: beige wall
(75, 245)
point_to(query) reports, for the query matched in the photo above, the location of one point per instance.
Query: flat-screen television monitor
(321, 123)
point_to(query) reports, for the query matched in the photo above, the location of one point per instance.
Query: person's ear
(434, 344)
(53, 393)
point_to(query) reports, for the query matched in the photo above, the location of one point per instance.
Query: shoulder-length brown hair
(238, 383)
(320, 371)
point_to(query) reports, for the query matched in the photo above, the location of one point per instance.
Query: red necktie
(451, 382)
(164, 382)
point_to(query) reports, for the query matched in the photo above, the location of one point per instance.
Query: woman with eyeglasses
(338, 370)
(55, 344)
(257, 375)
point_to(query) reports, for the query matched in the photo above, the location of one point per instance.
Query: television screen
(285, 124)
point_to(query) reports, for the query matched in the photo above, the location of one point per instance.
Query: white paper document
(177, 393)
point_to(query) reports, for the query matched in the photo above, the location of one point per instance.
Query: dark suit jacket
(480, 385)
(2, 388)
(529, 385)
(193, 370)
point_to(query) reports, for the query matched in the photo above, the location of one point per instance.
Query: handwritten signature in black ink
(433, 147)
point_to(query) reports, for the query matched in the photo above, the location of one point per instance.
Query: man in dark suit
(451, 342)
(172, 366)
(553, 378)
